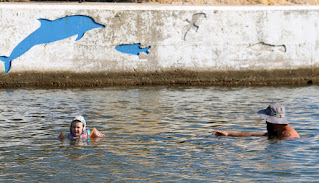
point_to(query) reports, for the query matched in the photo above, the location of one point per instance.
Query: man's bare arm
(240, 134)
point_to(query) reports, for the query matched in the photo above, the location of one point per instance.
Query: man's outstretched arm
(240, 134)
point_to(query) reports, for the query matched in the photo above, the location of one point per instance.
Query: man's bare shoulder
(290, 133)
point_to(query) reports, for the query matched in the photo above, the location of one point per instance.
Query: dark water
(156, 134)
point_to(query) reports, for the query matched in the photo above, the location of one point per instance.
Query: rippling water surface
(157, 134)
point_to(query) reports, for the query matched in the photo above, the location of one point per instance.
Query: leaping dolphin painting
(51, 31)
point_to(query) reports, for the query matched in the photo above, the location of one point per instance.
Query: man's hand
(220, 133)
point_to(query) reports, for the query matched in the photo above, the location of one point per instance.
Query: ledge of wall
(173, 77)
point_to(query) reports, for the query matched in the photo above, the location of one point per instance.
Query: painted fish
(51, 31)
(134, 49)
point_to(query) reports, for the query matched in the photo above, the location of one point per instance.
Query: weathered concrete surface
(189, 45)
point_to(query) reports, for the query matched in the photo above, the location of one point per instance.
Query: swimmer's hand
(220, 133)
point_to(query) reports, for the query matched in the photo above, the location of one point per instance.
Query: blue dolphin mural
(134, 49)
(51, 31)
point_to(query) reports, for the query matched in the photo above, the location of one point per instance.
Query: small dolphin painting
(51, 31)
(134, 49)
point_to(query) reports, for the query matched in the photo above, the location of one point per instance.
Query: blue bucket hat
(80, 119)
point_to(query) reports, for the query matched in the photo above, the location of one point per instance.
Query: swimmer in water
(78, 129)
(277, 125)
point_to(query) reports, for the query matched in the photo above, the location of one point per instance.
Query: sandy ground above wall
(199, 2)
(240, 2)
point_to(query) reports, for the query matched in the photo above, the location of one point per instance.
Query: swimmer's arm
(240, 134)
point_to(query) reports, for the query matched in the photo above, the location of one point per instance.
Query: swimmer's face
(77, 128)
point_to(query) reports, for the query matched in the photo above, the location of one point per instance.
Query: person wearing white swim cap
(78, 129)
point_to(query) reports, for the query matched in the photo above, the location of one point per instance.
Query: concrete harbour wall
(86, 44)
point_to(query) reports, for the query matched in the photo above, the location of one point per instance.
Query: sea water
(157, 134)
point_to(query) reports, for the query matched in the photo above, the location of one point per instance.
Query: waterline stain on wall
(51, 31)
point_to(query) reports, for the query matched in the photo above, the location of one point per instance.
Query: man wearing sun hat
(277, 125)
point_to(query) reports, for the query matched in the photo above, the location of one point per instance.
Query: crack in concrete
(253, 46)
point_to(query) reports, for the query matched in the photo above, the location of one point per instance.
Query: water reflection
(156, 134)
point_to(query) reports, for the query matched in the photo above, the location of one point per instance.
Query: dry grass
(15, 0)
(200, 2)
(239, 2)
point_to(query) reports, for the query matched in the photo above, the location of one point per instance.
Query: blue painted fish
(51, 31)
(134, 49)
